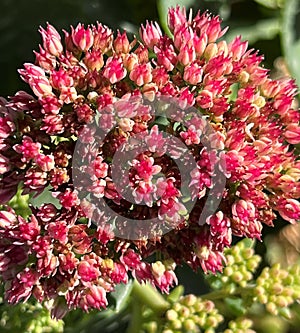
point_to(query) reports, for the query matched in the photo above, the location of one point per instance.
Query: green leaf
(175, 294)
(121, 295)
(235, 306)
(163, 7)
(263, 29)
(290, 44)
(45, 197)
(285, 313)
(273, 4)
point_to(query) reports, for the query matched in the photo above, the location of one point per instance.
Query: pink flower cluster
(55, 253)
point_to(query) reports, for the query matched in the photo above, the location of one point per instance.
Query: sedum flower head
(53, 252)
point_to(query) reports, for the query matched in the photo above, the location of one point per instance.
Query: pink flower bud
(193, 73)
(45, 162)
(130, 60)
(45, 60)
(141, 74)
(50, 104)
(7, 218)
(60, 79)
(205, 99)
(87, 271)
(237, 48)
(82, 38)
(40, 86)
(4, 164)
(183, 35)
(84, 113)
(68, 199)
(103, 38)
(176, 17)
(142, 53)
(289, 209)
(51, 40)
(166, 55)
(28, 148)
(186, 54)
(292, 133)
(31, 71)
(94, 60)
(35, 178)
(52, 124)
(114, 70)
(121, 43)
(160, 76)
(150, 34)
(6, 127)
(200, 43)
(94, 298)
(58, 230)
(68, 95)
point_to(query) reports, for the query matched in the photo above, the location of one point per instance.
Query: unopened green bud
(276, 289)
(212, 321)
(209, 330)
(244, 77)
(171, 315)
(184, 312)
(263, 299)
(209, 306)
(176, 324)
(237, 276)
(189, 325)
(282, 301)
(177, 307)
(247, 253)
(272, 308)
(296, 292)
(230, 260)
(228, 271)
(252, 263)
(288, 291)
(198, 307)
(190, 300)
(210, 51)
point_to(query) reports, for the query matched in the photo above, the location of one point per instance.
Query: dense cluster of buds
(56, 253)
(28, 318)
(241, 264)
(188, 314)
(240, 325)
(278, 288)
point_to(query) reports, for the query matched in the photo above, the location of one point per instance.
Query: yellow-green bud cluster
(240, 325)
(278, 288)
(241, 263)
(28, 318)
(192, 314)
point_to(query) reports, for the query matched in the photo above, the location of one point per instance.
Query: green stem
(148, 295)
(136, 319)
(221, 294)
(144, 294)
